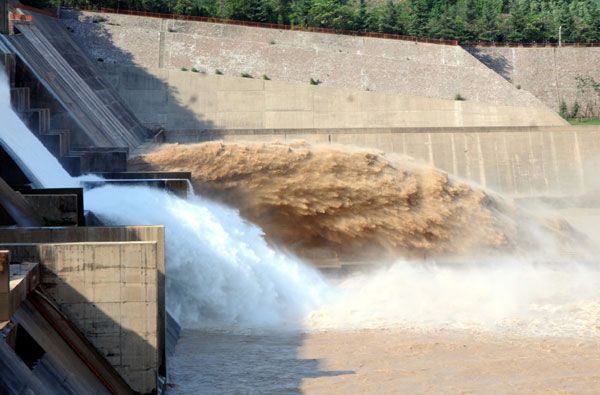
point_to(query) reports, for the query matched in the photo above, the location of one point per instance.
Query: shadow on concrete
(498, 63)
(224, 363)
(61, 367)
(117, 290)
(119, 69)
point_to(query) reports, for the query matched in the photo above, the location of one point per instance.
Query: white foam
(508, 295)
(220, 271)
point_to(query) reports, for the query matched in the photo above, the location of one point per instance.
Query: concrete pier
(111, 283)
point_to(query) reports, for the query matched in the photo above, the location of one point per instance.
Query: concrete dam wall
(360, 63)
(520, 162)
(179, 100)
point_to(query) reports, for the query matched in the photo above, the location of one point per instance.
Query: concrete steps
(70, 77)
(76, 160)
(19, 98)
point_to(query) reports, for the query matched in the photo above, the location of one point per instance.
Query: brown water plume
(336, 200)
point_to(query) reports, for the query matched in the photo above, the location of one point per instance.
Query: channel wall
(520, 161)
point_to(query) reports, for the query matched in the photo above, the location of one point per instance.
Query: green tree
(419, 17)
(238, 9)
(562, 110)
(299, 12)
(184, 7)
(334, 14)
(360, 20)
(389, 19)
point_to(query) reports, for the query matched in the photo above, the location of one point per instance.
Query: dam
(171, 231)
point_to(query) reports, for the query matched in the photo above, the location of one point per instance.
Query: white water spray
(220, 271)
(42, 169)
(507, 296)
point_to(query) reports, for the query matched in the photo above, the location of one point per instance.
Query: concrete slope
(549, 73)
(65, 71)
(361, 63)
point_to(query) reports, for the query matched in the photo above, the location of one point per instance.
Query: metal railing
(277, 26)
(500, 44)
(527, 44)
(20, 17)
(36, 10)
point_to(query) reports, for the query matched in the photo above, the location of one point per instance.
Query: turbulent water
(220, 271)
(352, 203)
(511, 271)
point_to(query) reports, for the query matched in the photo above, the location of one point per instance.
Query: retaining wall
(521, 162)
(548, 73)
(178, 100)
(360, 63)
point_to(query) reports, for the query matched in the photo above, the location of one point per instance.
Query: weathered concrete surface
(521, 162)
(70, 207)
(154, 234)
(178, 100)
(359, 63)
(55, 210)
(110, 292)
(549, 73)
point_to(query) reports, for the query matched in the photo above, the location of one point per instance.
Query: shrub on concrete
(218, 72)
(246, 75)
(183, 69)
(458, 97)
(171, 30)
(194, 70)
(265, 77)
(589, 91)
(575, 110)
(314, 82)
(563, 111)
(518, 86)
(271, 42)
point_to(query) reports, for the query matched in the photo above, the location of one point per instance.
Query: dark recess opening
(27, 348)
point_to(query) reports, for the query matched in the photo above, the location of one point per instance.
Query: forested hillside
(463, 20)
